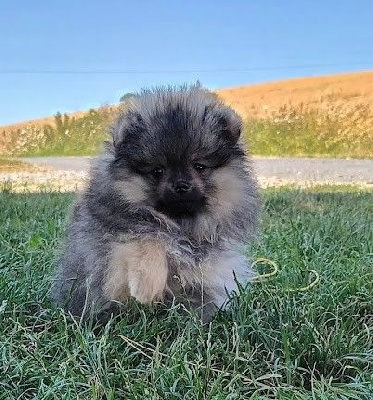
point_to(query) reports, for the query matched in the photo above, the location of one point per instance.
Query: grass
(80, 134)
(291, 131)
(324, 131)
(271, 344)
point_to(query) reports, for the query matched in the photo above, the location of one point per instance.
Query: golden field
(315, 116)
(328, 116)
(323, 92)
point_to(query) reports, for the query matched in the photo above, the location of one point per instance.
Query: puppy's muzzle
(181, 187)
(181, 198)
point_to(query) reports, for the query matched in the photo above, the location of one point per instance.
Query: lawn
(273, 343)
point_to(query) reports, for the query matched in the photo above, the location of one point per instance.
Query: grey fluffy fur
(162, 127)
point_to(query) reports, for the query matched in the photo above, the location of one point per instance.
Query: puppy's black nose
(182, 187)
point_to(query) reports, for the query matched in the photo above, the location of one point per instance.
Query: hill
(327, 116)
(315, 116)
(312, 92)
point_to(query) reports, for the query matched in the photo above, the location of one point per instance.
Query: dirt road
(270, 170)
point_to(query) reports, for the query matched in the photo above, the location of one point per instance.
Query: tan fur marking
(116, 284)
(137, 269)
(133, 189)
(229, 191)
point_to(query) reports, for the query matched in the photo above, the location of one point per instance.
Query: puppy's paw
(147, 286)
(147, 273)
(138, 269)
(207, 312)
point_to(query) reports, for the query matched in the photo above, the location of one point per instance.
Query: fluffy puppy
(169, 204)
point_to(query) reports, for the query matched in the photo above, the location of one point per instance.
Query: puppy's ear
(118, 130)
(128, 123)
(230, 124)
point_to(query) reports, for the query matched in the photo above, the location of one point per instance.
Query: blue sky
(51, 49)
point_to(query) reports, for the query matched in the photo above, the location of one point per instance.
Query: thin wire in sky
(30, 70)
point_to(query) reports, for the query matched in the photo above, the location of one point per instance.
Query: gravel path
(67, 173)
(315, 170)
(76, 164)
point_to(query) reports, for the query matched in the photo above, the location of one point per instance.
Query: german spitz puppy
(168, 206)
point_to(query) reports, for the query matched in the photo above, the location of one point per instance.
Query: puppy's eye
(157, 172)
(199, 167)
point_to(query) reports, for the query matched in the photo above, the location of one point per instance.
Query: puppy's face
(176, 187)
(171, 148)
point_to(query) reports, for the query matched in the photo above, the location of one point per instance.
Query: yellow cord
(267, 275)
(274, 271)
(309, 286)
